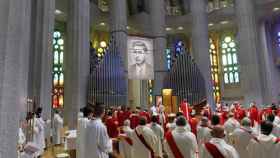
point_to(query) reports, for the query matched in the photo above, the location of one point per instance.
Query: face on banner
(140, 58)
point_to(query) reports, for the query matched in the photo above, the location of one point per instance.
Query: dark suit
(146, 73)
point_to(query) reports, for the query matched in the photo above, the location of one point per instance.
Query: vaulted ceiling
(177, 18)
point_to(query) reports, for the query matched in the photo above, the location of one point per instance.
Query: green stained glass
(61, 58)
(56, 58)
(58, 76)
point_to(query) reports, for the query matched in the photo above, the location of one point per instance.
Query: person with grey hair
(242, 136)
(203, 131)
(230, 125)
(126, 143)
(140, 69)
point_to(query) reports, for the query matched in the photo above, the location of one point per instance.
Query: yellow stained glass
(61, 79)
(60, 101)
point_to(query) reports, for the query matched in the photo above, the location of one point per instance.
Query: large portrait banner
(140, 58)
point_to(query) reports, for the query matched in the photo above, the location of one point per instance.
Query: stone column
(40, 76)
(76, 59)
(14, 52)
(157, 15)
(270, 70)
(200, 44)
(118, 23)
(250, 76)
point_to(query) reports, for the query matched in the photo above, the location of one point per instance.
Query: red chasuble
(112, 127)
(193, 123)
(173, 146)
(134, 120)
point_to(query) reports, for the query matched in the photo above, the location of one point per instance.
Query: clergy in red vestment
(112, 125)
(146, 114)
(134, 119)
(121, 115)
(253, 114)
(193, 123)
(185, 109)
(239, 113)
(127, 113)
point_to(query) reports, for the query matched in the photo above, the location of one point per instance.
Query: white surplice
(82, 124)
(139, 149)
(276, 130)
(265, 147)
(158, 130)
(241, 138)
(185, 141)
(230, 125)
(226, 150)
(39, 135)
(57, 127)
(97, 142)
(126, 149)
(203, 135)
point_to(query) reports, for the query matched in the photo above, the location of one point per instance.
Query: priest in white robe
(266, 145)
(230, 125)
(242, 136)
(57, 128)
(39, 132)
(126, 143)
(97, 144)
(83, 120)
(217, 146)
(180, 143)
(159, 132)
(203, 131)
(144, 141)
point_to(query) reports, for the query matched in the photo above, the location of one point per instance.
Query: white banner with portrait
(140, 58)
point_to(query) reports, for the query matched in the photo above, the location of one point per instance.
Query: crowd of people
(228, 132)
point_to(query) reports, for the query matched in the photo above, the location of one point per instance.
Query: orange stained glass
(213, 51)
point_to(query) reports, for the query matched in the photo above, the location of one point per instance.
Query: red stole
(213, 150)
(142, 139)
(277, 141)
(173, 146)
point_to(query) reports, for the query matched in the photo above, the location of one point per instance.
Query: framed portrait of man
(140, 58)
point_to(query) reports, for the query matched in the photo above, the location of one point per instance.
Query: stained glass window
(58, 74)
(150, 89)
(214, 60)
(230, 60)
(168, 58)
(278, 39)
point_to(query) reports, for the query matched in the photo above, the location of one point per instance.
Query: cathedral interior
(66, 54)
